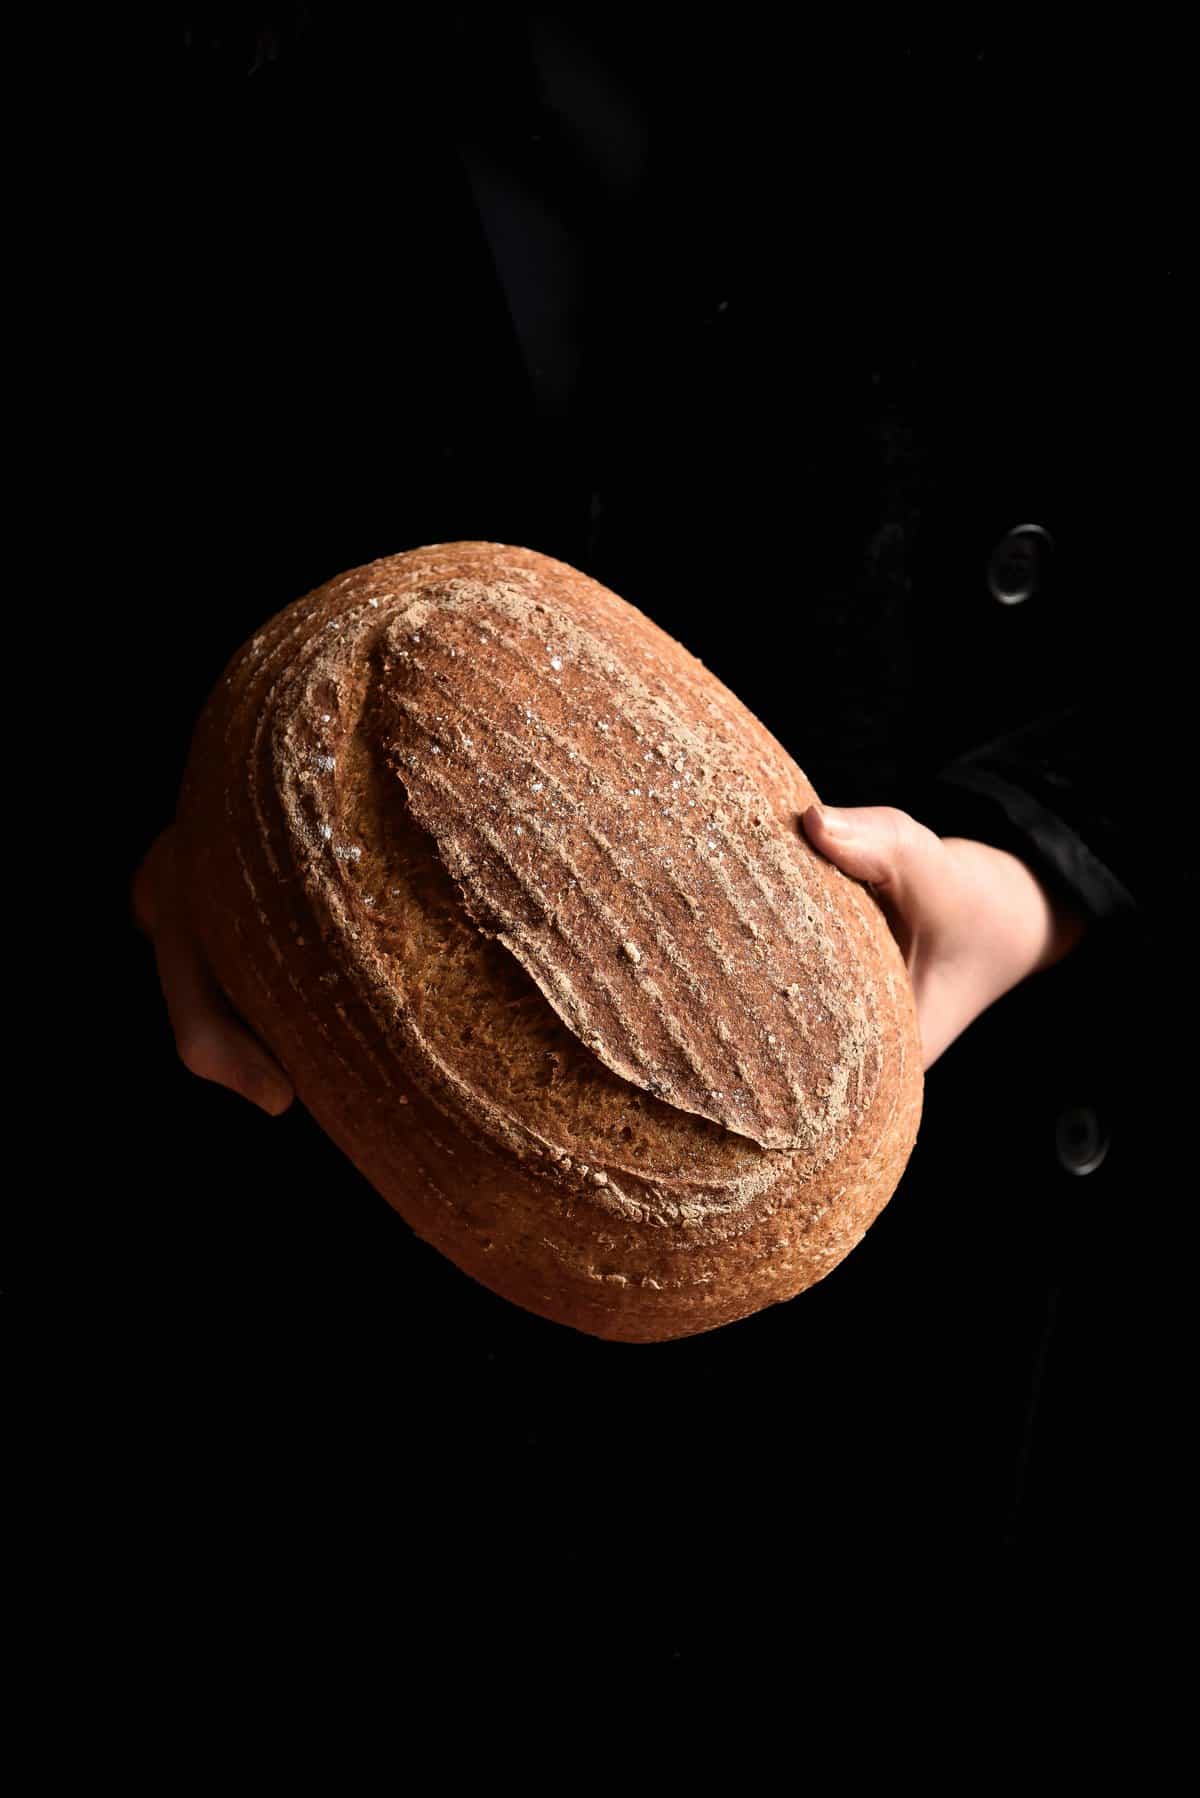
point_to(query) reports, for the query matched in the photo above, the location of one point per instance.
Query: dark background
(787, 294)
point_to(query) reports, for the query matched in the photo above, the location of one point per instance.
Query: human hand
(211, 1041)
(972, 921)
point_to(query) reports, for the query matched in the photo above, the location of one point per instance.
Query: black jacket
(853, 368)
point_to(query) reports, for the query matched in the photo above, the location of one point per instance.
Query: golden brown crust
(515, 890)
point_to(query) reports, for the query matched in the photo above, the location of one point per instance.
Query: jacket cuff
(970, 801)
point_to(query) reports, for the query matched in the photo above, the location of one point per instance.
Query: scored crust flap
(600, 825)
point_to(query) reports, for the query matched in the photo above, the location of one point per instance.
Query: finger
(885, 848)
(150, 882)
(212, 1043)
(873, 843)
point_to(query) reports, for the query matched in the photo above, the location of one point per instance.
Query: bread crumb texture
(516, 890)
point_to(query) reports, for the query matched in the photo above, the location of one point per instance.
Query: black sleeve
(1091, 797)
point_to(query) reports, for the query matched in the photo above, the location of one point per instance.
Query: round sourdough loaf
(517, 893)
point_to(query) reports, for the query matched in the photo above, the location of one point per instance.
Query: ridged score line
(268, 707)
(616, 929)
(659, 707)
(557, 979)
(651, 923)
(773, 849)
(433, 726)
(789, 874)
(664, 717)
(293, 648)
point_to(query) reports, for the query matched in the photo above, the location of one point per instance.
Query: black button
(1020, 563)
(1081, 1139)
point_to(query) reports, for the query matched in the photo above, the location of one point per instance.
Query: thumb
(871, 843)
(890, 852)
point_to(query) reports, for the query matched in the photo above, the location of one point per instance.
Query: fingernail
(835, 823)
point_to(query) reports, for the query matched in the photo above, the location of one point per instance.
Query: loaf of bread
(518, 894)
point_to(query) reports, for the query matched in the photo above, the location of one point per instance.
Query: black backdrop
(299, 355)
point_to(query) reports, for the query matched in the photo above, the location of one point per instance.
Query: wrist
(1038, 928)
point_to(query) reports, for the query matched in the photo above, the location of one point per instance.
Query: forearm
(1039, 930)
